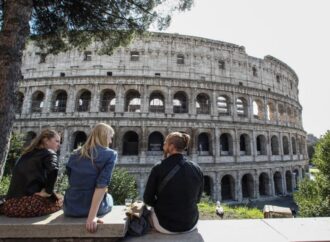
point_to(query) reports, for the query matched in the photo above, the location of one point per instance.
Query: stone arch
(59, 101)
(294, 147)
(258, 109)
(130, 143)
(107, 100)
(241, 107)
(285, 141)
(281, 112)
(223, 105)
(275, 145)
(19, 102)
(30, 135)
(133, 101)
(157, 102)
(79, 138)
(278, 183)
(261, 145)
(180, 102)
(208, 185)
(203, 104)
(264, 184)
(83, 100)
(226, 144)
(288, 180)
(244, 144)
(227, 188)
(155, 143)
(247, 186)
(37, 102)
(203, 144)
(271, 111)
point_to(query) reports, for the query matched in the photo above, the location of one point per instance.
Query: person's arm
(92, 220)
(149, 196)
(51, 167)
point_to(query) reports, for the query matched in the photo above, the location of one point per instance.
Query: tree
(59, 25)
(313, 197)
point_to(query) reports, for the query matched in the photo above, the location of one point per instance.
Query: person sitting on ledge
(31, 189)
(174, 205)
(89, 170)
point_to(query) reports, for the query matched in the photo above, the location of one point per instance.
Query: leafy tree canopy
(59, 25)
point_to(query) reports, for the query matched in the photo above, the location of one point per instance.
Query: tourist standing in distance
(174, 205)
(89, 170)
(31, 189)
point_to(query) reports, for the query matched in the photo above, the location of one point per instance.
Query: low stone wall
(57, 227)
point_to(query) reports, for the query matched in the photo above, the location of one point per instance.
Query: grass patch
(207, 212)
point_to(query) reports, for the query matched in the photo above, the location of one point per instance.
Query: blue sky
(294, 31)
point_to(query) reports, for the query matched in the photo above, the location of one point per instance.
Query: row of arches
(249, 186)
(203, 144)
(225, 105)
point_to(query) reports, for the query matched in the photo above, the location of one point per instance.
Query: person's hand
(43, 193)
(91, 224)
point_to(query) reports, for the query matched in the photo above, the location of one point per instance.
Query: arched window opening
(264, 184)
(296, 177)
(155, 143)
(180, 103)
(258, 109)
(288, 179)
(227, 188)
(79, 139)
(271, 112)
(261, 145)
(254, 71)
(208, 186)
(247, 186)
(203, 144)
(245, 148)
(180, 59)
(37, 102)
(29, 137)
(59, 101)
(281, 112)
(157, 103)
(294, 148)
(108, 101)
(223, 105)
(19, 102)
(274, 145)
(83, 102)
(133, 101)
(241, 107)
(203, 104)
(285, 145)
(131, 143)
(226, 145)
(278, 183)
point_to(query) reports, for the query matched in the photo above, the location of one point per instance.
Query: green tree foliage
(63, 24)
(122, 185)
(313, 196)
(15, 150)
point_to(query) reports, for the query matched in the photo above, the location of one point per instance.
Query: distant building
(242, 113)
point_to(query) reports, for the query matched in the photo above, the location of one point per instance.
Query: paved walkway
(255, 230)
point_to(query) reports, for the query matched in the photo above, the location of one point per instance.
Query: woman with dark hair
(31, 189)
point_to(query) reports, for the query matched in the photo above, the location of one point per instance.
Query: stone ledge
(57, 225)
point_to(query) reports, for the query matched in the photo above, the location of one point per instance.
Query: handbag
(138, 215)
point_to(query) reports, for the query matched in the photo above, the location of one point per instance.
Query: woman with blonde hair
(31, 189)
(89, 169)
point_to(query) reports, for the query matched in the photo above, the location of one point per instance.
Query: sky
(294, 31)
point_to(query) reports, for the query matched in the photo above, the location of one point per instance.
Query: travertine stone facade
(242, 113)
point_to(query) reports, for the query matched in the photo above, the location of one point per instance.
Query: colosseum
(242, 112)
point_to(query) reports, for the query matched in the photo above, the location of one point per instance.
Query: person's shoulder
(108, 150)
(194, 164)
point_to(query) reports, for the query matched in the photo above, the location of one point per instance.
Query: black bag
(138, 220)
